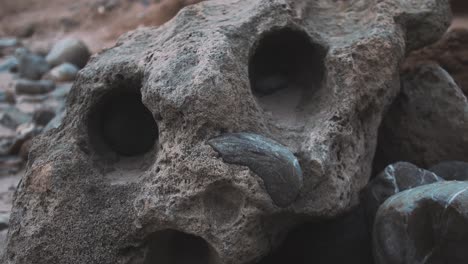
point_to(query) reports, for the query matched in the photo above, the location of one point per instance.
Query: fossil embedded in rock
(274, 163)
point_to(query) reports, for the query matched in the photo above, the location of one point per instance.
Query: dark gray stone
(30, 66)
(24, 133)
(394, 179)
(23, 86)
(43, 116)
(11, 117)
(273, 162)
(69, 50)
(428, 121)
(451, 170)
(9, 164)
(10, 64)
(427, 224)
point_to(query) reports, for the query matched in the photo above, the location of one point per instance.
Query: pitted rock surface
(427, 224)
(89, 198)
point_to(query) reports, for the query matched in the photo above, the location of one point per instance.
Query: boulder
(393, 179)
(130, 175)
(69, 50)
(64, 72)
(427, 123)
(451, 170)
(427, 224)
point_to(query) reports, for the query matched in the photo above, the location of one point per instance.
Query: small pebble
(23, 86)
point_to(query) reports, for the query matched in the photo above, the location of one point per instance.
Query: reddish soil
(97, 22)
(451, 52)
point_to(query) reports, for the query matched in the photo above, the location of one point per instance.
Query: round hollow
(285, 70)
(122, 124)
(174, 247)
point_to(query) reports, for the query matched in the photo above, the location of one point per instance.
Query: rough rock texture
(393, 179)
(451, 170)
(23, 86)
(87, 199)
(427, 123)
(427, 224)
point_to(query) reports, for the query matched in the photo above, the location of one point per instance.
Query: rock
(23, 86)
(24, 133)
(451, 170)
(7, 97)
(89, 194)
(65, 72)
(271, 161)
(450, 53)
(3, 240)
(427, 123)
(43, 116)
(30, 66)
(8, 42)
(427, 224)
(395, 178)
(69, 50)
(7, 137)
(25, 149)
(56, 121)
(7, 46)
(10, 64)
(10, 165)
(11, 117)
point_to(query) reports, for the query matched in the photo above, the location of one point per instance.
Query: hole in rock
(345, 239)
(174, 247)
(285, 70)
(122, 124)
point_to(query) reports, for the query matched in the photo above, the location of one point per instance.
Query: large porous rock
(393, 179)
(427, 224)
(428, 121)
(451, 170)
(69, 50)
(129, 175)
